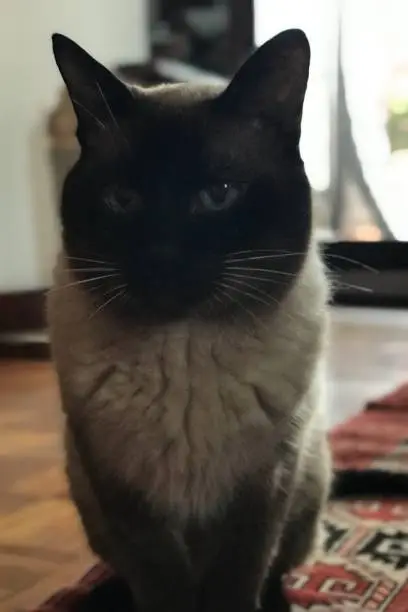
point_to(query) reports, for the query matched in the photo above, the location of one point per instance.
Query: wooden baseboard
(22, 310)
(23, 325)
(25, 350)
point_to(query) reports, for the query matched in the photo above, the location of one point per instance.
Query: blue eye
(216, 198)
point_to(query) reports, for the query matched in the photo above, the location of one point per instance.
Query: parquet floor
(41, 545)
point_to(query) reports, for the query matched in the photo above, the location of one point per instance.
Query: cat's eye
(122, 200)
(217, 197)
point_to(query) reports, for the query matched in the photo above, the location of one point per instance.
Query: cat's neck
(283, 345)
(305, 302)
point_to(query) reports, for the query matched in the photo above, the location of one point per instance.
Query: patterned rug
(364, 565)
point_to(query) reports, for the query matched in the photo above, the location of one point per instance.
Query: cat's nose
(161, 269)
(162, 253)
(162, 263)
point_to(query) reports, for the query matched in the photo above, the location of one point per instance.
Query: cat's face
(187, 200)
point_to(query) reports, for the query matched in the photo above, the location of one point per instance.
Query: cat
(188, 325)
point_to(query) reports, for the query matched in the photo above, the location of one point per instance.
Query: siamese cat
(188, 324)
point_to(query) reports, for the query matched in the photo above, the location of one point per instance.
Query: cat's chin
(165, 308)
(150, 313)
(164, 314)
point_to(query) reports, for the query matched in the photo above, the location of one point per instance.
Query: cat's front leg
(156, 567)
(246, 541)
(142, 545)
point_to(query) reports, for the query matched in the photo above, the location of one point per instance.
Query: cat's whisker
(214, 297)
(116, 296)
(209, 303)
(272, 300)
(217, 298)
(126, 297)
(92, 269)
(259, 251)
(239, 281)
(362, 265)
(98, 121)
(109, 290)
(260, 257)
(87, 259)
(269, 302)
(112, 116)
(263, 270)
(94, 288)
(272, 254)
(248, 294)
(342, 285)
(252, 277)
(224, 289)
(84, 281)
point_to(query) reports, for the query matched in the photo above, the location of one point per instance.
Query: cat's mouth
(171, 291)
(157, 302)
(162, 301)
(210, 292)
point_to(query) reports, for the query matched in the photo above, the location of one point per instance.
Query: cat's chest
(179, 426)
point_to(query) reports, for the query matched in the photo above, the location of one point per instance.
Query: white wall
(113, 31)
(319, 19)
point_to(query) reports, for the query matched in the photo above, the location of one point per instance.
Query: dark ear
(98, 97)
(272, 83)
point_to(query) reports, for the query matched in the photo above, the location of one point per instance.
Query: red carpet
(364, 566)
(365, 563)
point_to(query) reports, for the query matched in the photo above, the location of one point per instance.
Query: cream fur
(184, 411)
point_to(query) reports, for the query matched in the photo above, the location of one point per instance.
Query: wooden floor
(41, 546)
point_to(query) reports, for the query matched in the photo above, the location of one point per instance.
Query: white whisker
(259, 257)
(116, 287)
(94, 288)
(259, 254)
(111, 113)
(269, 302)
(250, 286)
(117, 295)
(217, 298)
(98, 121)
(98, 261)
(236, 301)
(246, 294)
(259, 251)
(264, 270)
(352, 261)
(90, 269)
(209, 303)
(86, 280)
(341, 285)
(252, 277)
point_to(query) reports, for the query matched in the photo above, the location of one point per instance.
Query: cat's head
(185, 199)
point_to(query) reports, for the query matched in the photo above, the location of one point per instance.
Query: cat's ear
(98, 97)
(272, 83)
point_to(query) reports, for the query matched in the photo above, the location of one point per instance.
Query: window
(355, 123)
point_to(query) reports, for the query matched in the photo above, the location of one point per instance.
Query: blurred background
(355, 128)
(355, 147)
(355, 135)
